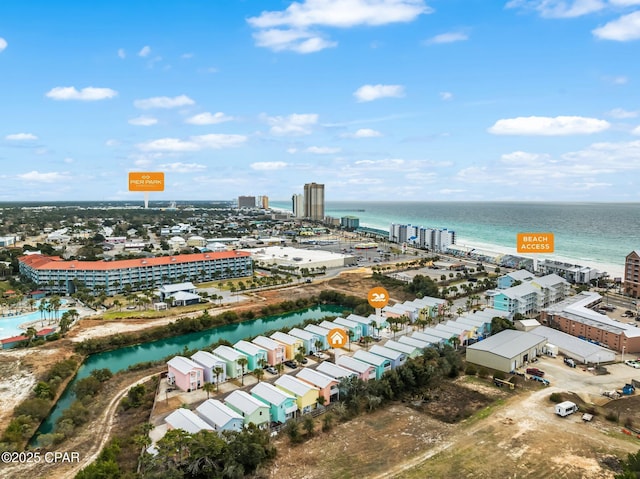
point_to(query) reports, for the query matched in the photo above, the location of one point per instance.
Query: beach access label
(535, 242)
(146, 181)
(378, 297)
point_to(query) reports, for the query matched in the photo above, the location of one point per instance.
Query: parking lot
(585, 382)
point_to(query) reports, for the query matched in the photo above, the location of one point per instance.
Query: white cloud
(295, 124)
(549, 126)
(449, 37)
(619, 80)
(186, 56)
(68, 160)
(291, 151)
(293, 40)
(268, 165)
(163, 102)
(143, 121)
(636, 131)
(112, 142)
(146, 50)
(179, 167)
(122, 53)
(363, 133)
(622, 114)
(293, 28)
(523, 158)
(194, 143)
(559, 8)
(21, 137)
(86, 94)
(322, 150)
(3, 44)
(375, 92)
(623, 29)
(208, 119)
(37, 177)
(446, 96)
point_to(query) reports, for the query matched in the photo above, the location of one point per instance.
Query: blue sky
(435, 100)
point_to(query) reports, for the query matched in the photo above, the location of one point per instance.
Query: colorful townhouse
(411, 341)
(397, 358)
(209, 363)
(292, 345)
(282, 405)
(231, 357)
(409, 350)
(185, 374)
(250, 408)
(219, 416)
(256, 355)
(320, 333)
(308, 339)
(306, 395)
(380, 363)
(335, 371)
(275, 350)
(365, 371)
(327, 386)
(353, 326)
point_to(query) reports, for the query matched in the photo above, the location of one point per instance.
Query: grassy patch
(134, 314)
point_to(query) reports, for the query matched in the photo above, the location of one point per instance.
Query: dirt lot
(518, 436)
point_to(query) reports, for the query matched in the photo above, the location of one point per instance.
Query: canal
(121, 359)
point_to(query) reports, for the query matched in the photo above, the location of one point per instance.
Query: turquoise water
(596, 232)
(9, 325)
(121, 359)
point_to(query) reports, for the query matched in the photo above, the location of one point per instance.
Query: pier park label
(146, 181)
(535, 243)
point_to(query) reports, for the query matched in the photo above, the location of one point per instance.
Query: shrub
(471, 370)
(555, 398)
(611, 416)
(483, 372)
(499, 375)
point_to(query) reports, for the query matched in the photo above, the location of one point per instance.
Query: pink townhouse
(327, 385)
(185, 374)
(275, 350)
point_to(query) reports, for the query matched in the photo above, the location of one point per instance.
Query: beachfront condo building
(297, 206)
(574, 273)
(428, 238)
(246, 201)
(55, 275)
(632, 274)
(314, 201)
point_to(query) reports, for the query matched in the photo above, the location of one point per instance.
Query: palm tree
(218, 372)
(455, 341)
(242, 362)
(209, 387)
(350, 333)
(31, 333)
(279, 367)
(318, 344)
(258, 373)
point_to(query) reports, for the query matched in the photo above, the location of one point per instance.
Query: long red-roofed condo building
(58, 276)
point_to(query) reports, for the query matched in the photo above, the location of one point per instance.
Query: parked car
(541, 380)
(376, 337)
(292, 364)
(272, 370)
(633, 363)
(304, 360)
(319, 355)
(570, 362)
(535, 372)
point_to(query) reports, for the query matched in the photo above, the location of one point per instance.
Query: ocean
(594, 234)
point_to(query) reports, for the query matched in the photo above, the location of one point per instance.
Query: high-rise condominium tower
(314, 201)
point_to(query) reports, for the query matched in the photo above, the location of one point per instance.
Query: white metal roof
(388, 353)
(249, 348)
(206, 359)
(577, 348)
(228, 353)
(419, 343)
(182, 364)
(360, 319)
(430, 338)
(334, 370)
(316, 378)
(302, 334)
(245, 402)
(186, 420)
(508, 343)
(270, 393)
(371, 358)
(174, 288)
(347, 323)
(405, 348)
(267, 343)
(318, 330)
(285, 338)
(291, 384)
(353, 364)
(217, 413)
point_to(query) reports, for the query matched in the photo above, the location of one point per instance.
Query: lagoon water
(586, 233)
(121, 359)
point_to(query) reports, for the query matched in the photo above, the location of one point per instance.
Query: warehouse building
(507, 350)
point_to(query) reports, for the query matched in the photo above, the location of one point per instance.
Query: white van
(565, 408)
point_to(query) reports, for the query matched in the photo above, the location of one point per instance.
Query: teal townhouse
(250, 408)
(379, 363)
(371, 325)
(282, 406)
(256, 355)
(186, 420)
(461, 335)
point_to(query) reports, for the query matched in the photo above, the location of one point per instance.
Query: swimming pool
(9, 325)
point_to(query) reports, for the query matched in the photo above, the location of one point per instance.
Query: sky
(434, 100)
